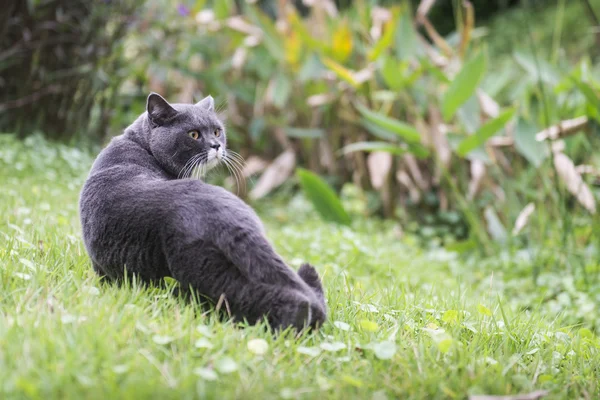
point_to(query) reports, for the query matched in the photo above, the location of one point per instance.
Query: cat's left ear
(208, 103)
(159, 110)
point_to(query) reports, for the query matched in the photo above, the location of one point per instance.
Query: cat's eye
(194, 134)
(217, 132)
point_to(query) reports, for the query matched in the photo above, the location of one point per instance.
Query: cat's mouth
(214, 157)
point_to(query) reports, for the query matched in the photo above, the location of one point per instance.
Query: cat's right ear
(159, 110)
(208, 103)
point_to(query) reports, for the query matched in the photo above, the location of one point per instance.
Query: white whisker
(235, 166)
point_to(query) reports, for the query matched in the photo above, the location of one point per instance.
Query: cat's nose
(215, 146)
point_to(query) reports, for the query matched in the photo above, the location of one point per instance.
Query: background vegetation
(460, 132)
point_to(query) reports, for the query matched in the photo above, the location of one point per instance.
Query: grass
(404, 322)
(561, 29)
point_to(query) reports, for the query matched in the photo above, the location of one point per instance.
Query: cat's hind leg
(104, 277)
(205, 270)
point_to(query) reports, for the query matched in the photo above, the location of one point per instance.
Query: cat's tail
(310, 275)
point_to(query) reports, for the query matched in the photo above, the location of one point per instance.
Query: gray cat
(139, 218)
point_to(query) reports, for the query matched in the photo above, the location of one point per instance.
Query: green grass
(404, 322)
(560, 29)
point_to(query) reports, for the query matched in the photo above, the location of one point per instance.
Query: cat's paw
(298, 312)
(310, 316)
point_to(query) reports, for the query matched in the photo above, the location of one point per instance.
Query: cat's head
(185, 137)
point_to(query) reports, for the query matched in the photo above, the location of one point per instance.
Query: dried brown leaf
(434, 55)
(467, 28)
(403, 178)
(440, 142)
(487, 104)
(238, 23)
(500, 141)
(588, 170)
(424, 8)
(575, 184)
(279, 170)
(326, 156)
(563, 128)
(320, 99)
(523, 218)
(477, 175)
(379, 16)
(558, 146)
(380, 164)
(239, 57)
(364, 74)
(415, 171)
(436, 37)
(253, 165)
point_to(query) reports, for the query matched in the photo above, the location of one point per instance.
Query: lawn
(404, 321)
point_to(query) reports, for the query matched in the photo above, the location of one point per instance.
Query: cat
(139, 218)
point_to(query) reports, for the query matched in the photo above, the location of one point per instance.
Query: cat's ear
(208, 103)
(159, 110)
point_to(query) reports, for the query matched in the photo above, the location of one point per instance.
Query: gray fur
(139, 218)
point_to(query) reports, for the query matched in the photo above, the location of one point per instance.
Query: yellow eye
(217, 132)
(194, 134)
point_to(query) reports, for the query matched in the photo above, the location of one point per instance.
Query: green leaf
(323, 198)
(462, 246)
(588, 92)
(333, 347)
(309, 351)
(494, 225)
(406, 39)
(384, 350)
(352, 381)
(378, 131)
(341, 47)
(271, 38)
(445, 345)
(373, 146)
(281, 91)
(484, 310)
(450, 316)
(160, 339)
(393, 72)
(341, 71)
(299, 26)
(205, 331)
(429, 67)
(341, 325)
(206, 373)
(222, 9)
(403, 130)
(226, 365)
(535, 152)
(537, 69)
(469, 115)
(386, 39)
(464, 85)
(586, 333)
(368, 325)
(258, 346)
(418, 150)
(203, 343)
(304, 133)
(485, 132)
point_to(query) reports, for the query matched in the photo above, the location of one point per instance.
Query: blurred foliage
(439, 126)
(60, 65)
(377, 96)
